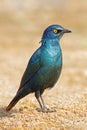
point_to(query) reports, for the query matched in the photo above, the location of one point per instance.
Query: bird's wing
(32, 67)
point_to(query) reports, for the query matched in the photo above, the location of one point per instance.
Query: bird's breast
(51, 67)
(52, 57)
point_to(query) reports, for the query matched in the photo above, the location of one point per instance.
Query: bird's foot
(45, 110)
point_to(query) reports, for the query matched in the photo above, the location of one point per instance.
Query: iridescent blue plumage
(44, 67)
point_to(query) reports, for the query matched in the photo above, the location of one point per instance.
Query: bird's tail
(20, 94)
(12, 103)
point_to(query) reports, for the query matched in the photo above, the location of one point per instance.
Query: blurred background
(21, 20)
(22, 23)
(21, 26)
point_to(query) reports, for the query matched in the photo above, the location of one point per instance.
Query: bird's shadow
(3, 113)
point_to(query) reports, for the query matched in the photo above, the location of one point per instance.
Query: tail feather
(20, 94)
(12, 103)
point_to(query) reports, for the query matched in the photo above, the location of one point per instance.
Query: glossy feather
(44, 67)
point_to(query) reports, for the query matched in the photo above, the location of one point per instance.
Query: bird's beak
(66, 31)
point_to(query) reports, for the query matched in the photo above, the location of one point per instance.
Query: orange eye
(55, 31)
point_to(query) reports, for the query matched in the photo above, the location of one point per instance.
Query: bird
(44, 67)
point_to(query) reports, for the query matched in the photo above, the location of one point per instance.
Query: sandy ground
(19, 38)
(67, 100)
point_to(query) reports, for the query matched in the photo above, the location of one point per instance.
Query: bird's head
(54, 32)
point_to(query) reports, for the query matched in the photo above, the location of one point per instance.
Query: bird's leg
(45, 108)
(37, 95)
(40, 100)
(41, 92)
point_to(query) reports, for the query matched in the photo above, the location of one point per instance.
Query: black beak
(66, 31)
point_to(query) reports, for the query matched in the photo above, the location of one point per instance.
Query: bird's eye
(55, 31)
